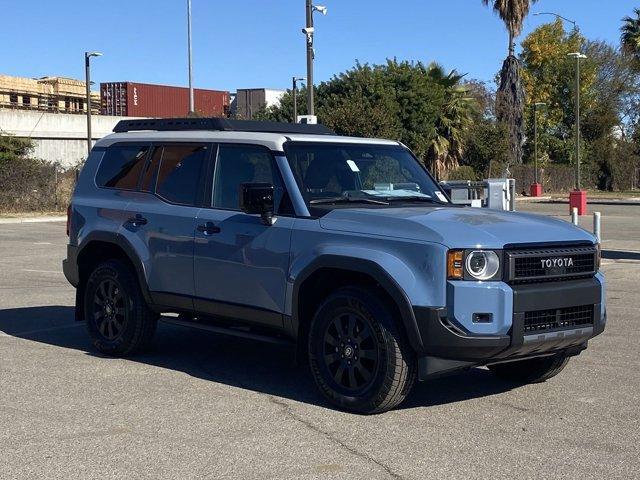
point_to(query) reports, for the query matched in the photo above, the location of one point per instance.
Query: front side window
(121, 166)
(378, 174)
(179, 173)
(238, 164)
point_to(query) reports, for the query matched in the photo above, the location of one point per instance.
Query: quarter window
(121, 166)
(180, 172)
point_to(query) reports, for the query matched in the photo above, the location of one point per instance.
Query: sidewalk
(31, 219)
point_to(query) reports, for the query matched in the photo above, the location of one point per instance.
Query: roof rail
(219, 124)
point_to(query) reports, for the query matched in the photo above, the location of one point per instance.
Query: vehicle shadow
(238, 362)
(620, 255)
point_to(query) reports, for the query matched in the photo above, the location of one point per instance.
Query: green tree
(630, 36)
(455, 116)
(549, 77)
(510, 98)
(14, 148)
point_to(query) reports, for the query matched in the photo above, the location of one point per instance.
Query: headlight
(482, 264)
(474, 265)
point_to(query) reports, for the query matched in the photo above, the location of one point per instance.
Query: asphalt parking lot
(200, 405)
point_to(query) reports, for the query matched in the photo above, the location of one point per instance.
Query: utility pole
(309, 33)
(87, 75)
(191, 102)
(295, 97)
(578, 56)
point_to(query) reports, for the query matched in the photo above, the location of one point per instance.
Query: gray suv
(344, 247)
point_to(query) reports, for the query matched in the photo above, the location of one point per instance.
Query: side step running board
(235, 332)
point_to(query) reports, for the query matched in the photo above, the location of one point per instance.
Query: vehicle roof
(273, 141)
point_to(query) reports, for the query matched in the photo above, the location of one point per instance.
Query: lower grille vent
(544, 320)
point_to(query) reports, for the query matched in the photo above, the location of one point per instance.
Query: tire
(359, 359)
(534, 370)
(118, 319)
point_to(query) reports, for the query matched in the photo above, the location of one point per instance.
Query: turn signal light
(455, 269)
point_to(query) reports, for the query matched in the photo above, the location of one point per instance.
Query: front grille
(550, 264)
(558, 318)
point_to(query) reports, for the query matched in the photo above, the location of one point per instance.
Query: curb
(18, 220)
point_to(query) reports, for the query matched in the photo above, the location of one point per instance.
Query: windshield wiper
(412, 198)
(322, 201)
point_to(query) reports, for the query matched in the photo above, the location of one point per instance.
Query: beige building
(49, 94)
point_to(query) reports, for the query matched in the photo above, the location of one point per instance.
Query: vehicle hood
(455, 227)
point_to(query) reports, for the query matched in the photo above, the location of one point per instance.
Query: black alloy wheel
(350, 352)
(109, 310)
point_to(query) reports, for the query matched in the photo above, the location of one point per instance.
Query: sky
(259, 43)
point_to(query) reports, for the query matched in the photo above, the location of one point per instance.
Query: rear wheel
(359, 358)
(118, 319)
(533, 370)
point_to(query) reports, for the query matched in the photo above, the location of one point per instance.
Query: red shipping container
(162, 101)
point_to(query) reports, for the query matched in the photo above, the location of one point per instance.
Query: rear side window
(121, 166)
(180, 173)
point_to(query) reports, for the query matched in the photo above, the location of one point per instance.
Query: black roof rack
(219, 124)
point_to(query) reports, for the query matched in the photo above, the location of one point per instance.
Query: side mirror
(257, 198)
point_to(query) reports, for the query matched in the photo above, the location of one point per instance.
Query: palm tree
(510, 98)
(457, 113)
(630, 37)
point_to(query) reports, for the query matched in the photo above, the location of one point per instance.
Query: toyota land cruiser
(345, 247)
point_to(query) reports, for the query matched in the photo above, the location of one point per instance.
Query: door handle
(137, 220)
(208, 228)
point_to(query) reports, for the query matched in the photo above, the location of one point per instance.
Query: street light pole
(309, 31)
(575, 25)
(295, 97)
(535, 139)
(191, 102)
(87, 74)
(578, 56)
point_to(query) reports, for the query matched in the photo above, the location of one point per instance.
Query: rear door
(161, 219)
(241, 264)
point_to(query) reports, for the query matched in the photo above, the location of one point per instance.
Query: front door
(241, 264)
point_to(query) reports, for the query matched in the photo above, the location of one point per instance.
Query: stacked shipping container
(131, 99)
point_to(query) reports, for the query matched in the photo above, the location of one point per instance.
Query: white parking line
(40, 271)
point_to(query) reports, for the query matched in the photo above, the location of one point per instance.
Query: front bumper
(446, 339)
(70, 265)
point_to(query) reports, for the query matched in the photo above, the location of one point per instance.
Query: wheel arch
(99, 247)
(329, 272)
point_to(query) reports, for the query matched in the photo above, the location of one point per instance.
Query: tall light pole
(535, 140)
(575, 25)
(309, 31)
(578, 56)
(295, 97)
(87, 74)
(191, 103)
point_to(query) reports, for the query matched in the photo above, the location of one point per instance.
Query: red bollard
(578, 199)
(535, 190)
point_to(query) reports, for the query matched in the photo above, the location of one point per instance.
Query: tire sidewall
(367, 306)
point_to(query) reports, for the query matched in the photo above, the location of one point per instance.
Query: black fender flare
(121, 242)
(373, 270)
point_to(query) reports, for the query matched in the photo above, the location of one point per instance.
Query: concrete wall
(58, 137)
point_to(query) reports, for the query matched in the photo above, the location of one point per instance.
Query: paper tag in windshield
(441, 197)
(353, 166)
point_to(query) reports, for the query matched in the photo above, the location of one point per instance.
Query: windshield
(330, 173)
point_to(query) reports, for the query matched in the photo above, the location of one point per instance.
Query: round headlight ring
(488, 259)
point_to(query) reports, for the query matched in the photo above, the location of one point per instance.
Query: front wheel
(359, 359)
(533, 370)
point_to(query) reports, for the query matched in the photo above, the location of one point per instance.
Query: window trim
(211, 176)
(122, 144)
